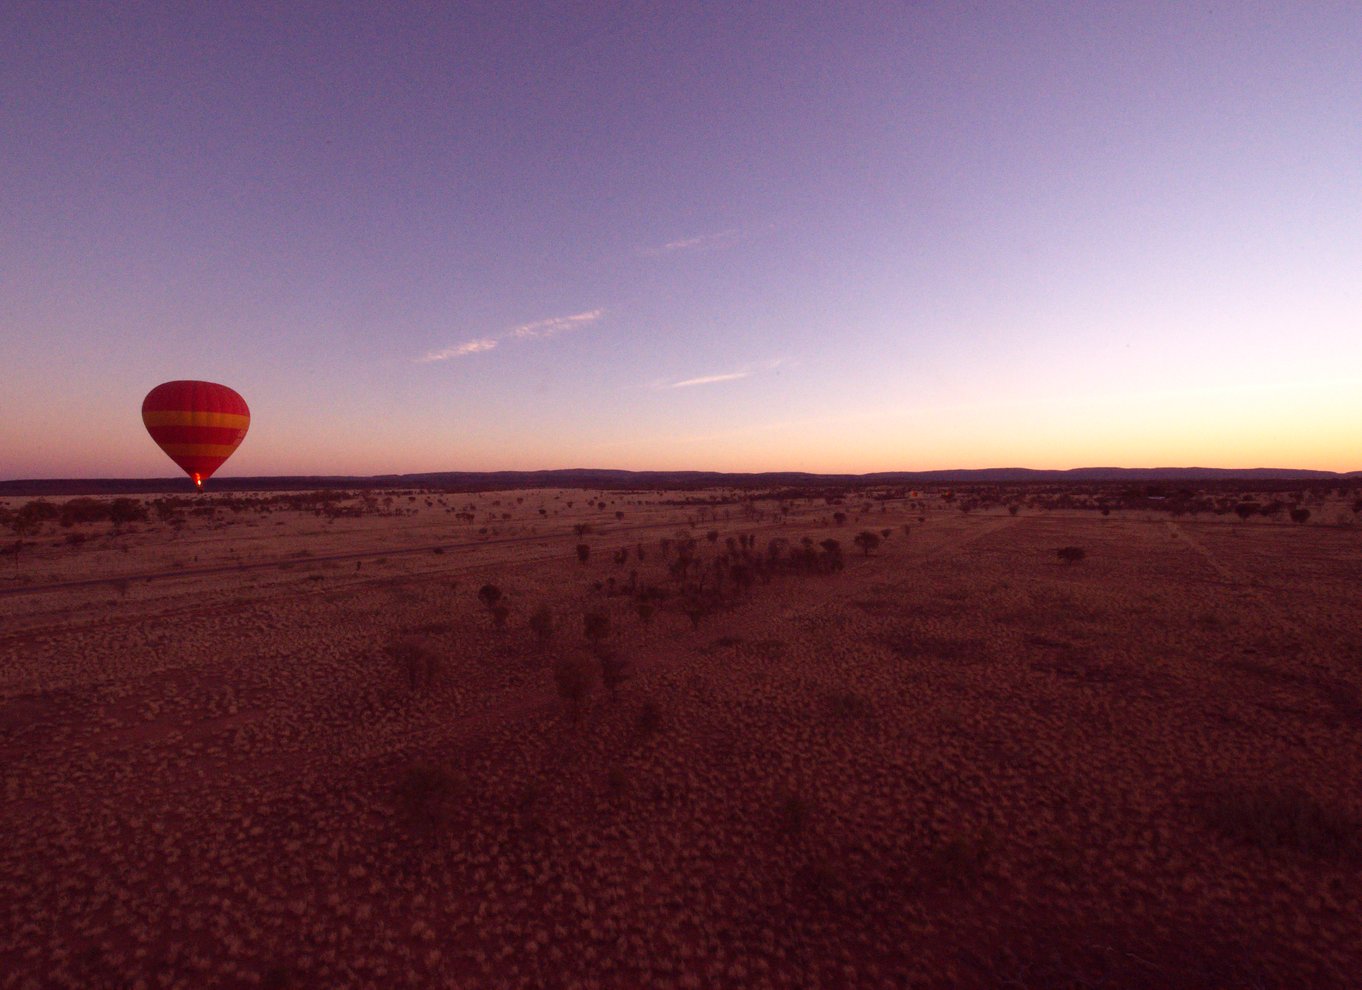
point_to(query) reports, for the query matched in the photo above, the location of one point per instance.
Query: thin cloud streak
(711, 379)
(722, 239)
(460, 350)
(556, 325)
(538, 330)
(730, 376)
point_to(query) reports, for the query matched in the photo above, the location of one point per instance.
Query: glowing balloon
(198, 424)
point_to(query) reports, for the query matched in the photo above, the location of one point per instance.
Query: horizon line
(1171, 470)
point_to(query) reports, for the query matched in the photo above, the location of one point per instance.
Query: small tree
(417, 661)
(649, 719)
(573, 677)
(500, 613)
(583, 553)
(867, 541)
(541, 623)
(1071, 555)
(596, 627)
(13, 550)
(614, 672)
(126, 510)
(489, 595)
(696, 609)
(645, 612)
(425, 797)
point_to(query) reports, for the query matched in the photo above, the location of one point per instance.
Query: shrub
(583, 553)
(1300, 515)
(425, 797)
(793, 813)
(645, 611)
(1071, 555)
(1288, 819)
(848, 705)
(416, 660)
(489, 595)
(574, 677)
(963, 859)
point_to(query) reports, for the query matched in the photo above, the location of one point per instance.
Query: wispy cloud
(460, 350)
(721, 239)
(710, 379)
(728, 376)
(556, 325)
(537, 330)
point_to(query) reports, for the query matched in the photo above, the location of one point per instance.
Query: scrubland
(298, 744)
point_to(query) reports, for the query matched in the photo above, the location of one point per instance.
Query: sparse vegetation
(1071, 555)
(362, 754)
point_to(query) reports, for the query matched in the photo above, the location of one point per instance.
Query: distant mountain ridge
(607, 478)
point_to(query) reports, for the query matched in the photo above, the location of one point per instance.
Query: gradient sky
(825, 237)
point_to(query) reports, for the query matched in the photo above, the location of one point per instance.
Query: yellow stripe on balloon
(199, 449)
(176, 417)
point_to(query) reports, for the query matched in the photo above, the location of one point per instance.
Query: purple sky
(736, 237)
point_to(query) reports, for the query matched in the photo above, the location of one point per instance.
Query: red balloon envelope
(197, 424)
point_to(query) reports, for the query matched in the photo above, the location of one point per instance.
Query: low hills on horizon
(620, 479)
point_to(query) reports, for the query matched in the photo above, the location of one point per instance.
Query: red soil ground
(956, 762)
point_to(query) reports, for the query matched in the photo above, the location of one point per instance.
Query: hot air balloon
(197, 424)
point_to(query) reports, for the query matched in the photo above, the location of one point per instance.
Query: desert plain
(265, 741)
